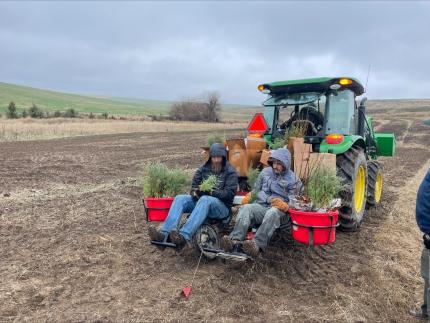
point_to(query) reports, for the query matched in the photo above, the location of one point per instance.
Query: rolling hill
(25, 96)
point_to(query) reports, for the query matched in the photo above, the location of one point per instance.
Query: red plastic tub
(156, 209)
(314, 228)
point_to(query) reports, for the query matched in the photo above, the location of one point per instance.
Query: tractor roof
(319, 84)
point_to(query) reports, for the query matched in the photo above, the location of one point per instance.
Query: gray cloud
(170, 50)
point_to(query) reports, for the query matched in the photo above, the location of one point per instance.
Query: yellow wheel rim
(360, 189)
(378, 187)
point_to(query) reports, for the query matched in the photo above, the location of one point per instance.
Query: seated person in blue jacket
(275, 185)
(201, 205)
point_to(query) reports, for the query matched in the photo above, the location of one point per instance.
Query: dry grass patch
(30, 129)
(396, 264)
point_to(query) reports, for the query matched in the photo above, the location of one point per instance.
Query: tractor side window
(285, 114)
(340, 113)
(269, 116)
(321, 104)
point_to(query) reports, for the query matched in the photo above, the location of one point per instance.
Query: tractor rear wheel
(374, 189)
(352, 169)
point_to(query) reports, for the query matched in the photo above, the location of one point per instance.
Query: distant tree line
(35, 112)
(207, 109)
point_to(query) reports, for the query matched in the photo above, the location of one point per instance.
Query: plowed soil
(73, 243)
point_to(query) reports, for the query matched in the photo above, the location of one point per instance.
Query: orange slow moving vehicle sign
(258, 124)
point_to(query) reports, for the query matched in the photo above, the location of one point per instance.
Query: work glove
(246, 198)
(279, 204)
(426, 240)
(196, 194)
(201, 193)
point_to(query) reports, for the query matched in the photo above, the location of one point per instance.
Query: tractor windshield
(340, 113)
(292, 99)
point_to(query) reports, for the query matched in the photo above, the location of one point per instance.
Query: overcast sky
(173, 50)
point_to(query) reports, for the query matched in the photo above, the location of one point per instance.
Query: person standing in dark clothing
(423, 221)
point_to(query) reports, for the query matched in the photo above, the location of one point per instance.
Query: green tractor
(336, 122)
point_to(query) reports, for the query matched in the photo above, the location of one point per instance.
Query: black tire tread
(346, 171)
(372, 169)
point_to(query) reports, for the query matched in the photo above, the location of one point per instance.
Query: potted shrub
(160, 186)
(314, 213)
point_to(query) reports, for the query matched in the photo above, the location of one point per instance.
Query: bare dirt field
(73, 243)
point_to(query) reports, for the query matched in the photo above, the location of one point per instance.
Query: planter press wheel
(207, 237)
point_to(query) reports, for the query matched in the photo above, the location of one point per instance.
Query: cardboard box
(291, 141)
(301, 156)
(264, 159)
(254, 150)
(315, 160)
(244, 153)
(237, 155)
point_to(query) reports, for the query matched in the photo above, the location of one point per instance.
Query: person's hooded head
(280, 160)
(217, 157)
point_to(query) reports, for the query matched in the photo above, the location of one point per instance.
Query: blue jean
(206, 207)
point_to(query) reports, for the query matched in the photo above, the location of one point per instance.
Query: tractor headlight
(345, 81)
(262, 88)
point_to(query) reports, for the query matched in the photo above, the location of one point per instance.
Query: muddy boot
(177, 239)
(154, 234)
(226, 244)
(250, 248)
(419, 315)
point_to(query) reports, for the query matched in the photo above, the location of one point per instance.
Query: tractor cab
(323, 109)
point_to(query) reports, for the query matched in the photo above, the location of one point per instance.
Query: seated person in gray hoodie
(275, 185)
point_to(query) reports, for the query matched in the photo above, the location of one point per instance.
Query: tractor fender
(344, 146)
(359, 142)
